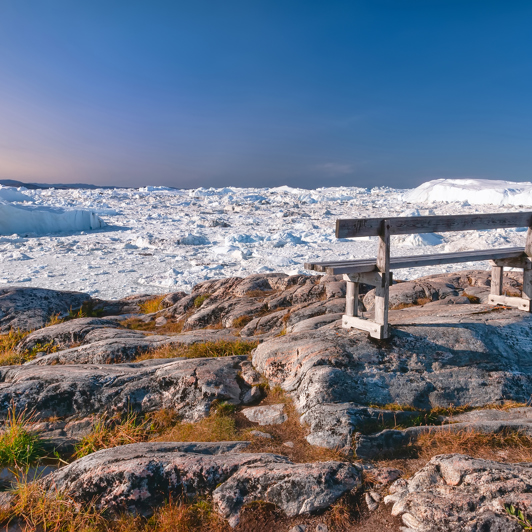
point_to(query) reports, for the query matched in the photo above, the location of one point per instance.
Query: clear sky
(265, 92)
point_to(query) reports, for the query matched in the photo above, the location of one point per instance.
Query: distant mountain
(63, 186)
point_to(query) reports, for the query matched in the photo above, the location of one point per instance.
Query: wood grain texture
(432, 224)
(496, 280)
(397, 263)
(518, 302)
(375, 330)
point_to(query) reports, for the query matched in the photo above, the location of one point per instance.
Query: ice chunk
(21, 220)
(12, 194)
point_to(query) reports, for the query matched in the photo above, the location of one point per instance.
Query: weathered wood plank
(432, 224)
(519, 302)
(382, 290)
(527, 279)
(351, 299)
(352, 322)
(397, 263)
(371, 278)
(496, 280)
(460, 256)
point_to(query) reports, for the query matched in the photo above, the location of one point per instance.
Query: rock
(385, 475)
(63, 436)
(456, 492)
(249, 374)
(187, 386)
(139, 477)
(81, 330)
(299, 528)
(315, 323)
(289, 444)
(294, 488)
(252, 395)
(333, 425)
(320, 527)
(371, 503)
(160, 321)
(26, 309)
(116, 345)
(259, 434)
(266, 415)
(6, 501)
(434, 358)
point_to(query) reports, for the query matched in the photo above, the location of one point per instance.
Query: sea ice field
(117, 242)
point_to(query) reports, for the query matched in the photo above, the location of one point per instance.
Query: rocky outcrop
(187, 386)
(107, 345)
(294, 488)
(26, 309)
(442, 358)
(139, 477)
(456, 493)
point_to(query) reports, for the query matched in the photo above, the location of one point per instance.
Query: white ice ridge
(29, 220)
(161, 239)
(474, 191)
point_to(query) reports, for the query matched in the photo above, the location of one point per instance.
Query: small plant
(241, 321)
(8, 343)
(518, 515)
(19, 446)
(54, 319)
(152, 305)
(472, 299)
(110, 432)
(220, 425)
(87, 310)
(200, 300)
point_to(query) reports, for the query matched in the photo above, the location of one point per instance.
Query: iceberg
(472, 191)
(29, 220)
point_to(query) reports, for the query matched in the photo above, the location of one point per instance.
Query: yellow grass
(220, 348)
(152, 305)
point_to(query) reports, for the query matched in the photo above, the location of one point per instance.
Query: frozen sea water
(160, 240)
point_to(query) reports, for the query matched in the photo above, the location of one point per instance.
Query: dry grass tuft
(472, 299)
(418, 302)
(111, 432)
(241, 321)
(220, 425)
(220, 348)
(8, 342)
(505, 446)
(38, 510)
(152, 305)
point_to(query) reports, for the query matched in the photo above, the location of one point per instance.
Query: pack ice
(158, 239)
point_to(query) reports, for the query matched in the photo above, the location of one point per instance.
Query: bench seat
(396, 263)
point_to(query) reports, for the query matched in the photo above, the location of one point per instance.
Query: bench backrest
(431, 224)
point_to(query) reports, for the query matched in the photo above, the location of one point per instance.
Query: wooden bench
(377, 271)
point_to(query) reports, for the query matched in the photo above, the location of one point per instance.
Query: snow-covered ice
(473, 191)
(159, 239)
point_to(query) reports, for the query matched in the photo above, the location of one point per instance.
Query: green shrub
(19, 446)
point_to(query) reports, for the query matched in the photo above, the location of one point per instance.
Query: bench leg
(527, 280)
(496, 298)
(496, 280)
(382, 297)
(351, 299)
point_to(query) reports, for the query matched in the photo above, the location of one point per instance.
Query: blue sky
(263, 93)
